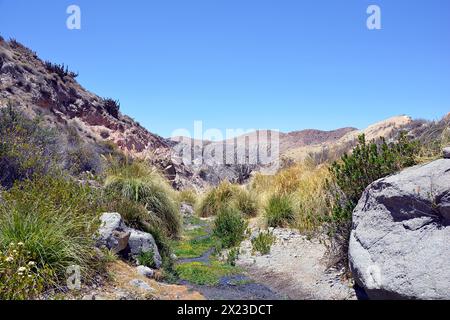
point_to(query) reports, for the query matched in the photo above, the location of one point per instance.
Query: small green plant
(232, 256)
(229, 227)
(263, 242)
(146, 259)
(279, 211)
(21, 277)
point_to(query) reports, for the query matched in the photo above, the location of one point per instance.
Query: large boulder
(142, 242)
(115, 235)
(399, 244)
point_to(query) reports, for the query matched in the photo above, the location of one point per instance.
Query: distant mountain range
(50, 91)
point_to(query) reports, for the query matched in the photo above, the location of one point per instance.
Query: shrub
(229, 227)
(26, 147)
(279, 211)
(112, 107)
(367, 163)
(60, 69)
(137, 182)
(263, 242)
(20, 277)
(56, 218)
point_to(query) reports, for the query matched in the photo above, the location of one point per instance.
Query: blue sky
(278, 64)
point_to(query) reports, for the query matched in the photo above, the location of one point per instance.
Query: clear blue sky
(279, 64)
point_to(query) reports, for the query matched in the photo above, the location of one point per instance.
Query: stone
(446, 153)
(141, 285)
(142, 242)
(145, 271)
(399, 243)
(113, 233)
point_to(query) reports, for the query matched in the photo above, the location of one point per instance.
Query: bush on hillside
(26, 147)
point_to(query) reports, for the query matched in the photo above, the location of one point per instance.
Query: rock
(113, 233)
(399, 243)
(145, 271)
(142, 285)
(446, 153)
(141, 242)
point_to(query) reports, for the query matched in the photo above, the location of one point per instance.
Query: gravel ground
(295, 267)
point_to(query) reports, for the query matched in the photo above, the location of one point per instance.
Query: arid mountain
(51, 92)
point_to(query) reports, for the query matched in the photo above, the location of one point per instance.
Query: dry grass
(305, 186)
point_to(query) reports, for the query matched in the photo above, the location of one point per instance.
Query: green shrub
(56, 218)
(20, 277)
(139, 183)
(279, 211)
(229, 227)
(263, 243)
(351, 175)
(26, 147)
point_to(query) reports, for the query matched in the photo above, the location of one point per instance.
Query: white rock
(145, 271)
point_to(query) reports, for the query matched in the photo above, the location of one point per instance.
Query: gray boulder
(142, 242)
(446, 153)
(113, 233)
(145, 271)
(399, 244)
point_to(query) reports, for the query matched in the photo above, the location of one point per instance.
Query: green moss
(202, 274)
(193, 248)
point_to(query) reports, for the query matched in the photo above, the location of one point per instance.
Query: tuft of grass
(247, 203)
(263, 243)
(226, 195)
(230, 227)
(279, 211)
(139, 183)
(188, 196)
(56, 218)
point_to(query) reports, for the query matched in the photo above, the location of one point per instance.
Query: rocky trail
(294, 269)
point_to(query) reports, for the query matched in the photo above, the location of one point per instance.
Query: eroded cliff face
(42, 89)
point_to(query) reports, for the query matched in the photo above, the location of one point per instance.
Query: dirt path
(295, 267)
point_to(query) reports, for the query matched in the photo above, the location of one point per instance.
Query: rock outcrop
(399, 244)
(115, 235)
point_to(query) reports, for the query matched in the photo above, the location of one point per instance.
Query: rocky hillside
(51, 91)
